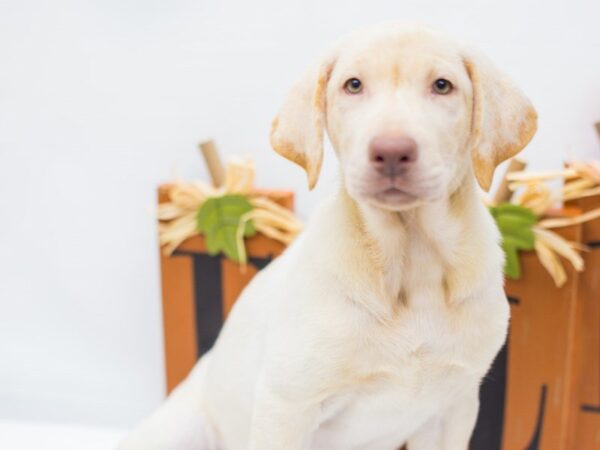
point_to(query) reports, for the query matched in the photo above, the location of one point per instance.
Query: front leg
(450, 430)
(281, 423)
(299, 373)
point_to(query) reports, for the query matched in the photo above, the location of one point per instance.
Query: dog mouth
(399, 195)
(395, 194)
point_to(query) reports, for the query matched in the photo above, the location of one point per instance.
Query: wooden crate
(530, 399)
(586, 425)
(543, 392)
(199, 290)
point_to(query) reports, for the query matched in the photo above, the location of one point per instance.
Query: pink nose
(391, 155)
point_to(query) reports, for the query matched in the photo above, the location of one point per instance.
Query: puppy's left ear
(503, 120)
(297, 131)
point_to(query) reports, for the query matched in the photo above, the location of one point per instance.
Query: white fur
(375, 328)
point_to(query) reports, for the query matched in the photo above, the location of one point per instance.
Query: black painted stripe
(490, 421)
(513, 300)
(208, 295)
(260, 263)
(594, 409)
(537, 436)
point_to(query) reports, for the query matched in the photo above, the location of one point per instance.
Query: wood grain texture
(179, 285)
(178, 317)
(541, 354)
(586, 422)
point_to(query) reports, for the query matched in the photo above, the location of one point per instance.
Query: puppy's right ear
(297, 131)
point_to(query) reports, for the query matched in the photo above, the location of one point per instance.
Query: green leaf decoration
(219, 218)
(516, 226)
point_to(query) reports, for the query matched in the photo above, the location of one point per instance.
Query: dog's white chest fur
(418, 371)
(410, 367)
(415, 370)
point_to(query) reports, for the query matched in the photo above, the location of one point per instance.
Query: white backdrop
(102, 100)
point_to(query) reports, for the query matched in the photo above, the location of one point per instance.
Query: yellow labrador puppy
(375, 328)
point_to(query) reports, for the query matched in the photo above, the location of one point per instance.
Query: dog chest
(384, 413)
(406, 375)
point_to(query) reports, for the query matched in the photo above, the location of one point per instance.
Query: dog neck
(441, 244)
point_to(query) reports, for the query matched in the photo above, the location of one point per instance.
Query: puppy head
(409, 114)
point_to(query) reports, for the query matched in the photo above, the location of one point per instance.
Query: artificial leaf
(219, 218)
(512, 265)
(516, 227)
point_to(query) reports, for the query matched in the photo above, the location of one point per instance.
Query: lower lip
(392, 191)
(395, 194)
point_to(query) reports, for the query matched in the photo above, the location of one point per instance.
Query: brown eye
(442, 86)
(353, 86)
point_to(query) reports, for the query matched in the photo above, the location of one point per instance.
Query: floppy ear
(297, 131)
(503, 120)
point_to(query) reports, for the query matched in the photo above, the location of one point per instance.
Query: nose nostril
(391, 155)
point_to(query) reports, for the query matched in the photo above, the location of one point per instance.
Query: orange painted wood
(586, 426)
(591, 229)
(542, 350)
(236, 276)
(588, 435)
(178, 286)
(590, 343)
(178, 309)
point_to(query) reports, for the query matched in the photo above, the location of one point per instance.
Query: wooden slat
(541, 350)
(586, 423)
(178, 317)
(588, 436)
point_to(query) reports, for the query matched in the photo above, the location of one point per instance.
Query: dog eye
(353, 86)
(442, 86)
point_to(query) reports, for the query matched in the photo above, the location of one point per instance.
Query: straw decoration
(579, 180)
(178, 216)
